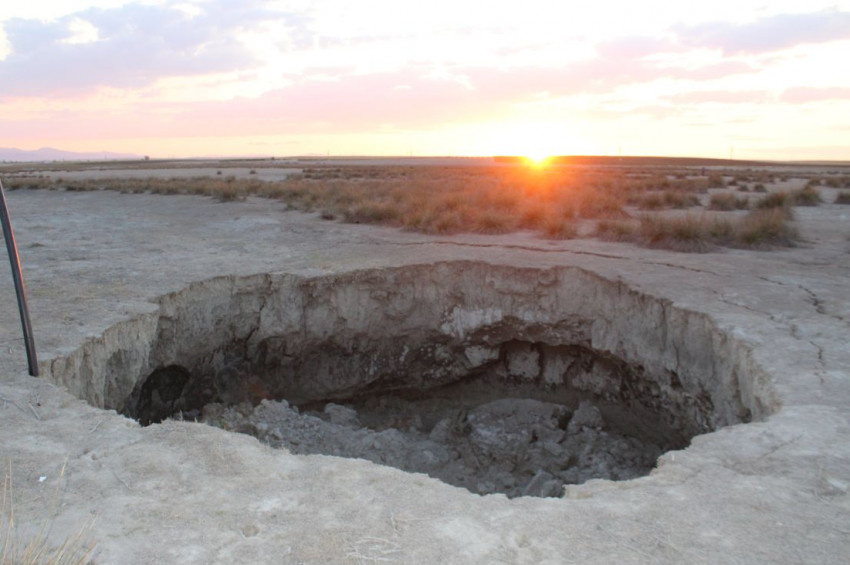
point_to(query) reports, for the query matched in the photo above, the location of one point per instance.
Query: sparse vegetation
(765, 228)
(482, 199)
(716, 181)
(696, 233)
(665, 199)
(806, 196)
(843, 197)
(727, 201)
(774, 200)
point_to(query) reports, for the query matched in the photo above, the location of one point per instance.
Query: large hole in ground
(492, 378)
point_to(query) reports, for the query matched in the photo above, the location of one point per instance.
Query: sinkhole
(493, 378)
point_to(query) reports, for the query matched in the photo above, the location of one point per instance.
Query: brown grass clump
(806, 196)
(716, 181)
(765, 228)
(727, 201)
(689, 233)
(26, 181)
(558, 226)
(775, 200)
(692, 233)
(843, 197)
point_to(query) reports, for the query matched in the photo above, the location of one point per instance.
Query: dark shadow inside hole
(498, 429)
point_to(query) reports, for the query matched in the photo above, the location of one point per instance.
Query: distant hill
(51, 154)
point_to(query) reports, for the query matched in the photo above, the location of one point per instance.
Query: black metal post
(20, 289)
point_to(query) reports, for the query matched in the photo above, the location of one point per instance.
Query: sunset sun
(537, 159)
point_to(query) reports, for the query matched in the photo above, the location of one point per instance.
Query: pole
(20, 289)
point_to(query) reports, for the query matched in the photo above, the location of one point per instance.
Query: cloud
(721, 97)
(767, 34)
(803, 94)
(334, 100)
(136, 44)
(633, 47)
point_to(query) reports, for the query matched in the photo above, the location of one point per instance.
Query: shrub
(684, 233)
(759, 188)
(371, 213)
(725, 202)
(843, 197)
(806, 196)
(229, 194)
(493, 221)
(760, 229)
(774, 200)
(680, 199)
(765, 228)
(716, 181)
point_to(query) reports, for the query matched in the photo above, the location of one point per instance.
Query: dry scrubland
(723, 208)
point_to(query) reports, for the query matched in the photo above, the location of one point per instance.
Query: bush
(687, 233)
(369, 213)
(716, 181)
(807, 196)
(725, 202)
(760, 229)
(774, 200)
(765, 228)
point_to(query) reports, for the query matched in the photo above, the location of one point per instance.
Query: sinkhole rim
(466, 304)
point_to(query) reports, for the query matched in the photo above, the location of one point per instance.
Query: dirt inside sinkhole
(515, 446)
(495, 431)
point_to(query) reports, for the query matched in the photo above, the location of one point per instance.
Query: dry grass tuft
(75, 549)
(692, 233)
(843, 197)
(689, 233)
(727, 201)
(765, 229)
(806, 196)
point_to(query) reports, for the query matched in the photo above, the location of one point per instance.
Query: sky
(195, 78)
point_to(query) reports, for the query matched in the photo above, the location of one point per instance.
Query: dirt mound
(515, 446)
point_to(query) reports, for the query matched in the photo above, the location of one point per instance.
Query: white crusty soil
(774, 491)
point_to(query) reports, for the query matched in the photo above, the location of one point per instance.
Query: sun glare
(537, 160)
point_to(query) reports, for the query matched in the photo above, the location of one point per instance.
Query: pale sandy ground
(768, 492)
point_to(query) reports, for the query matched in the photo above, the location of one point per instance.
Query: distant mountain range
(51, 154)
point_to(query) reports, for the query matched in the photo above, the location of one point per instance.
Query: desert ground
(122, 284)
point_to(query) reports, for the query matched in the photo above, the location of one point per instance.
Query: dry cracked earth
(736, 364)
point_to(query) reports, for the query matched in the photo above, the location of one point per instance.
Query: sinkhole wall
(232, 339)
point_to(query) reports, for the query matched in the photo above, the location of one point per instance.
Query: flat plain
(108, 248)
